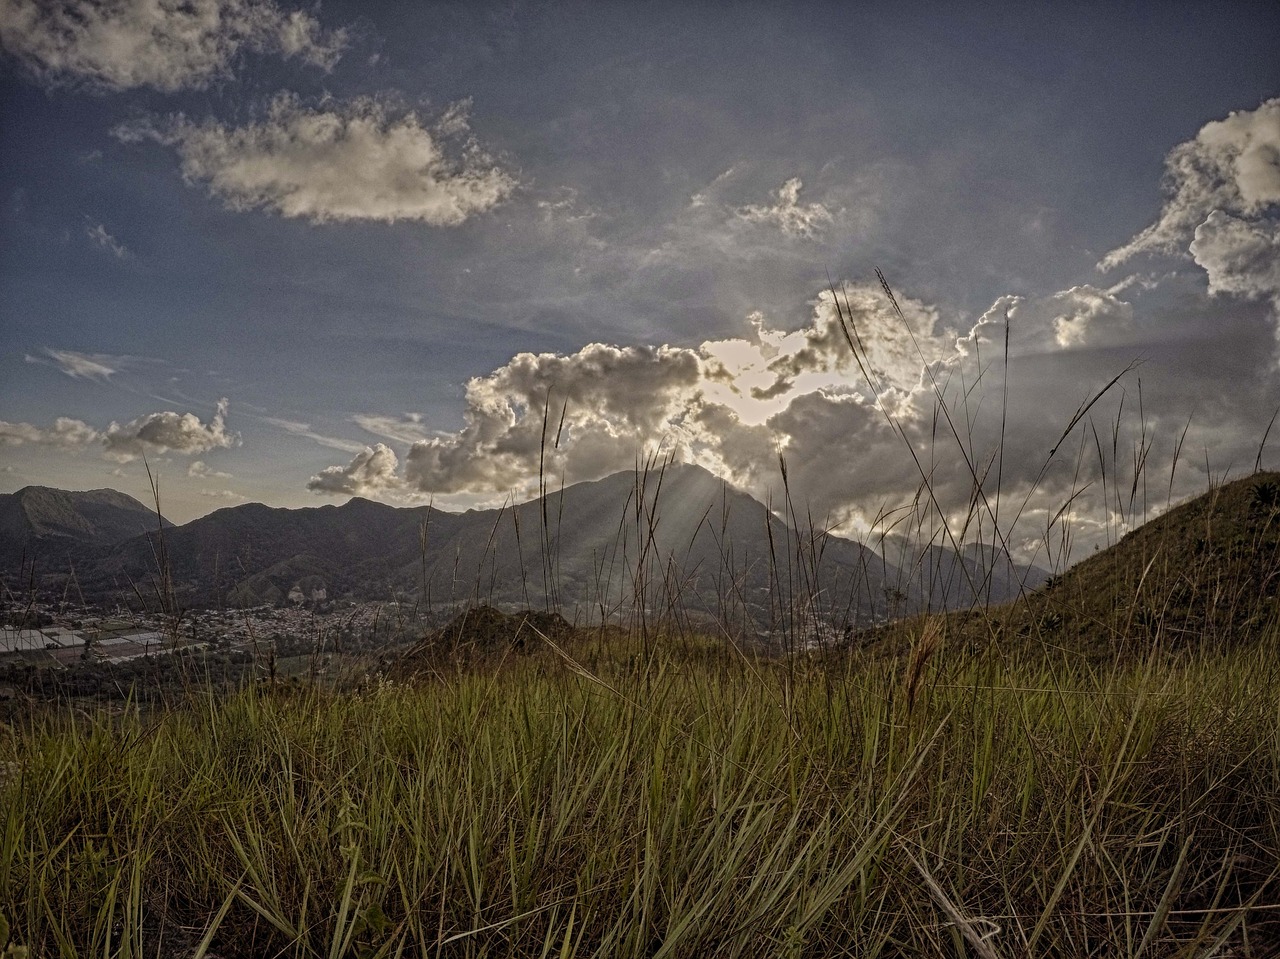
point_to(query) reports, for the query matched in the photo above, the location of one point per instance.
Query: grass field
(592, 801)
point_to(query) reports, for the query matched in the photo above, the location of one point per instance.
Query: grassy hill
(1206, 573)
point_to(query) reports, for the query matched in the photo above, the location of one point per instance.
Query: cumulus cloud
(100, 238)
(787, 213)
(731, 405)
(1081, 316)
(165, 44)
(1239, 256)
(591, 410)
(894, 348)
(65, 433)
(168, 431)
(945, 405)
(371, 473)
(86, 366)
(340, 161)
(1232, 166)
(201, 470)
(163, 432)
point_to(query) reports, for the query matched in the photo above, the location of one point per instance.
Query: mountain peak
(42, 520)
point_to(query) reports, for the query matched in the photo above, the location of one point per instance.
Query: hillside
(1206, 572)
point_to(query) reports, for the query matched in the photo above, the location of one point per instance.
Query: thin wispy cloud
(304, 430)
(347, 160)
(82, 366)
(407, 428)
(162, 44)
(101, 238)
(225, 494)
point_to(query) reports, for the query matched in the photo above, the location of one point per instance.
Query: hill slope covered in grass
(1205, 573)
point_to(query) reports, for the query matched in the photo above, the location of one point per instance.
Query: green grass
(683, 805)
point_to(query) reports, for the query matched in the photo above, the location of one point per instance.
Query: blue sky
(295, 253)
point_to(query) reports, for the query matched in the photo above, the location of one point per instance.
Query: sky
(293, 253)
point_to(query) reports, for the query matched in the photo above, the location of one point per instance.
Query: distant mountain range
(674, 539)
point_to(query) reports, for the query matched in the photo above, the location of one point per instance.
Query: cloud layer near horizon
(161, 432)
(736, 405)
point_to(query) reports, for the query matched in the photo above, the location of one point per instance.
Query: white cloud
(590, 413)
(169, 432)
(730, 405)
(87, 366)
(305, 430)
(371, 473)
(733, 405)
(407, 428)
(99, 236)
(1239, 256)
(222, 494)
(1080, 316)
(601, 407)
(351, 160)
(200, 470)
(795, 220)
(1232, 166)
(65, 433)
(895, 350)
(165, 44)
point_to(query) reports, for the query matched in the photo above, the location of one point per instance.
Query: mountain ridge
(42, 524)
(678, 537)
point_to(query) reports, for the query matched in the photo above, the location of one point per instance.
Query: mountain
(679, 538)
(251, 554)
(977, 575)
(54, 528)
(674, 539)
